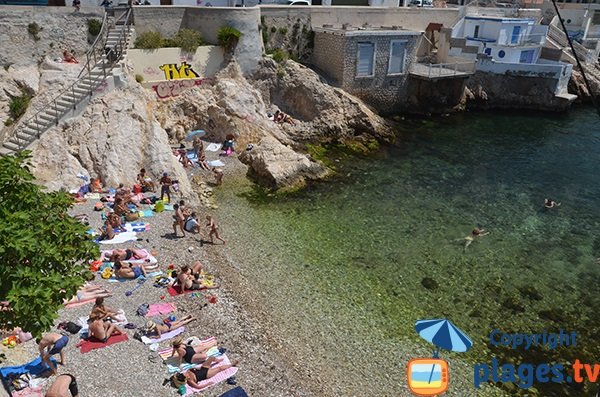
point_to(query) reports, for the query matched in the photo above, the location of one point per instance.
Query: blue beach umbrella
(443, 334)
(192, 134)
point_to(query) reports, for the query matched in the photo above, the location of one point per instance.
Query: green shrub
(265, 36)
(283, 30)
(8, 122)
(228, 37)
(188, 40)
(273, 29)
(139, 78)
(149, 41)
(18, 105)
(168, 42)
(279, 55)
(94, 26)
(34, 30)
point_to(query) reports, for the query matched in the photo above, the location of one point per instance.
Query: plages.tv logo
(430, 376)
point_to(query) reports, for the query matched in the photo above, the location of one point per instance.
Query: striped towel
(171, 361)
(218, 378)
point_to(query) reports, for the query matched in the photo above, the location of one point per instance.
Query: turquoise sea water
(380, 246)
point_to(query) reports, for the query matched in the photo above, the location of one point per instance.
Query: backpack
(143, 309)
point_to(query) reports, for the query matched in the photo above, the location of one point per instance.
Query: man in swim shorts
(61, 385)
(51, 344)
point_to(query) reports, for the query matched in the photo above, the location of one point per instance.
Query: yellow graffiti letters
(174, 72)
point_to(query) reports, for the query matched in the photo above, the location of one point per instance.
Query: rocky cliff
(237, 105)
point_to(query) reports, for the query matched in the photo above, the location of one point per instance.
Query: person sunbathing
(88, 293)
(196, 375)
(127, 254)
(108, 232)
(166, 326)
(187, 278)
(189, 354)
(146, 181)
(102, 312)
(65, 383)
(124, 270)
(102, 330)
(68, 57)
(184, 159)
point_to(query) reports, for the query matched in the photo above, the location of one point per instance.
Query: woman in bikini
(197, 375)
(124, 270)
(190, 354)
(88, 292)
(213, 229)
(127, 254)
(477, 232)
(166, 326)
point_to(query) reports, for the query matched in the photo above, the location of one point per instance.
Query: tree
(42, 249)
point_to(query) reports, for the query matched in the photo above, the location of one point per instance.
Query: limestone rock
(27, 77)
(113, 139)
(276, 166)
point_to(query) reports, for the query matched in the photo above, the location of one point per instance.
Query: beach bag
(159, 206)
(98, 207)
(72, 328)
(143, 309)
(21, 382)
(106, 273)
(137, 188)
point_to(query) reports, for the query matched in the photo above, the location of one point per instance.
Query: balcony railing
(442, 70)
(523, 39)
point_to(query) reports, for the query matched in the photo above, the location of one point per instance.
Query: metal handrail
(557, 35)
(39, 125)
(442, 69)
(91, 54)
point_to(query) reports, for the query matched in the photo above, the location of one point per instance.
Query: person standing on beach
(51, 344)
(218, 173)
(179, 220)
(213, 229)
(165, 187)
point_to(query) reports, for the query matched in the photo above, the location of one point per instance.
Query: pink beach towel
(160, 308)
(29, 392)
(218, 378)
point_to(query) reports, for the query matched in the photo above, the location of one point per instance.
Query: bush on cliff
(18, 105)
(149, 41)
(42, 249)
(228, 37)
(94, 26)
(188, 40)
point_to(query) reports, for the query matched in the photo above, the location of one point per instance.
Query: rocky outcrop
(115, 136)
(577, 84)
(277, 166)
(235, 105)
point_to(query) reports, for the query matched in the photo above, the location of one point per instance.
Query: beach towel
(171, 362)
(213, 147)
(136, 227)
(121, 238)
(29, 392)
(79, 303)
(160, 308)
(218, 378)
(146, 213)
(163, 337)
(86, 346)
(113, 279)
(93, 196)
(235, 392)
(175, 290)
(34, 367)
(216, 163)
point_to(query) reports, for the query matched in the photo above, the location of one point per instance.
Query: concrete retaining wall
(207, 21)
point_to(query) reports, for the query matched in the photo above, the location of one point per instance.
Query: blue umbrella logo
(429, 377)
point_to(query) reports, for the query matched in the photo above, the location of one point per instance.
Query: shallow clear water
(356, 252)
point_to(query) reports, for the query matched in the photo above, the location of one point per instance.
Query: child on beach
(213, 229)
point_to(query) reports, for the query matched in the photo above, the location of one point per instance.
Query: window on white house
(397, 56)
(365, 59)
(476, 32)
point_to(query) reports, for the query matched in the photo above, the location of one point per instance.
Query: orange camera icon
(427, 376)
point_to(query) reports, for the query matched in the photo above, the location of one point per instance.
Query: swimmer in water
(477, 232)
(549, 203)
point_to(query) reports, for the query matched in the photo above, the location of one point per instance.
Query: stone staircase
(115, 35)
(556, 38)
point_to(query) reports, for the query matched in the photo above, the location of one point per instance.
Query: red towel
(91, 344)
(176, 290)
